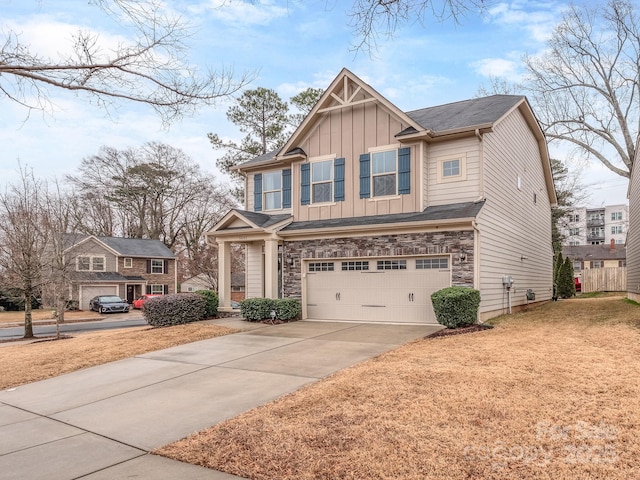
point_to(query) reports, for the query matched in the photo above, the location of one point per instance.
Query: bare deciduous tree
(149, 69)
(371, 19)
(586, 85)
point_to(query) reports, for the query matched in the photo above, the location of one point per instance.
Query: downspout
(481, 154)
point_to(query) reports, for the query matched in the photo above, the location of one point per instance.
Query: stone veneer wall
(379, 246)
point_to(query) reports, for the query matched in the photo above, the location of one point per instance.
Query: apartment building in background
(595, 226)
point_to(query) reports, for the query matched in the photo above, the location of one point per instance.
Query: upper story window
(451, 168)
(616, 229)
(574, 218)
(128, 263)
(157, 266)
(89, 263)
(616, 216)
(322, 181)
(574, 231)
(384, 173)
(272, 190)
(577, 265)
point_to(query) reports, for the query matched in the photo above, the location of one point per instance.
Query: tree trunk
(28, 323)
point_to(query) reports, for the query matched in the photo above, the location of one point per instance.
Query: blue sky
(291, 45)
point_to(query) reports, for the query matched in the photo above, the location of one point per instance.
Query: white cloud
(498, 67)
(537, 18)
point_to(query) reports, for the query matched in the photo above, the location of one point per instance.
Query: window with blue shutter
(305, 190)
(338, 179)
(404, 171)
(286, 188)
(365, 176)
(257, 192)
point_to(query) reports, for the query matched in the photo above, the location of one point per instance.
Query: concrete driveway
(101, 422)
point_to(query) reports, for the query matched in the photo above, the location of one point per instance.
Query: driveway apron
(101, 422)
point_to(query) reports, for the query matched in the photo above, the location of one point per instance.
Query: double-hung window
(616, 216)
(88, 263)
(157, 266)
(384, 171)
(322, 181)
(272, 184)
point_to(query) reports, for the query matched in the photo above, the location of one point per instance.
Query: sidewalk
(100, 423)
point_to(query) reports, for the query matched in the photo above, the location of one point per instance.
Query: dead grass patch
(45, 314)
(30, 362)
(547, 394)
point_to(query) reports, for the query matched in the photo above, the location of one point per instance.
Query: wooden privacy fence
(609, 279)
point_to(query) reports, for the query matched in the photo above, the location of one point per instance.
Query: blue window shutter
(257, 192)
(365, 175)
(286, 188)
(305, 191)
(404, 171)
(338, 180)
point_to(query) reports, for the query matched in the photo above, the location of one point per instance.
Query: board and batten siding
(633, 233)
(250, 190)
(466, 189)
(515, 223)
(347, 133)
(255, 270)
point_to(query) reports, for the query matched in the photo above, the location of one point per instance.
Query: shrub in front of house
(211, 297)
(257, 309)
(456, 306)
(176, 309)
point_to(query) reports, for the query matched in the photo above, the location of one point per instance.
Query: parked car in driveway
(108, 304)
(138, 302)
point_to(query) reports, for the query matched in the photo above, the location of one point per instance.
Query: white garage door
(375, 290)
(87, 293)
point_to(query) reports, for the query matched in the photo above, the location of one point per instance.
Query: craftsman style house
(127, 267)
(367, 210)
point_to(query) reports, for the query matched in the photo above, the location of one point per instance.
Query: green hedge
(211, 307)
(176, 309)
(456, 306)
(256, 309)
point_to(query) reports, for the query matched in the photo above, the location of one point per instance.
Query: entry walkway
(101, 422)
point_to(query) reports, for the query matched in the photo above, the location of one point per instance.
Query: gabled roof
(471, 113)
(595, 252)
(456, 211)
(125, 247)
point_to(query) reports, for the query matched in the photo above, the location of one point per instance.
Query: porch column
(271, 268)
(224, 274)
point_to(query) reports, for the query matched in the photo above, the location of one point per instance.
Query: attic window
(452, 168)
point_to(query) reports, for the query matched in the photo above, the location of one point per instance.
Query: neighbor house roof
(127, 247)
(595, 252)
(434, 213)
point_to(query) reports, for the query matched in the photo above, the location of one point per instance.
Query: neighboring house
(367, 210)
(127, 267)
(595, 226)
(205, 282)
(633, 236)
(585, 257)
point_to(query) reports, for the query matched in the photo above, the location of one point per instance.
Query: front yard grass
(25, 363)
(552, 393)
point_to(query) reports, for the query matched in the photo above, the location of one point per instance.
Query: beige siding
(255, 270)
(515, 232)
(347, 133)
(250, 191)
(95, 249)
(633, 235)
(467, 189)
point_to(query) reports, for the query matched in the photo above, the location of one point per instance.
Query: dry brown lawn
(45, 314)
(553, 393)
(24, 363)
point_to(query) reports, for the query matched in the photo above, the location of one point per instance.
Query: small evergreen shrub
(288, 308)
(456, 306)
(176, 309)
(211, 297)
(256, 309)
(566, 284)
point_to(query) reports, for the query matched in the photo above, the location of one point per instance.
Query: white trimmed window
(157, 289)
(574, 231)
(322, 181)
(615, 229)
(616, 216)
(128, 262)
(157, 266)
(384, 173)
(88, 263)
(272, 190)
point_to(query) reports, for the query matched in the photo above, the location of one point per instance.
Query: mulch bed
(445, 332)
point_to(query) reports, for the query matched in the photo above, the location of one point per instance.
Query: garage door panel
(88, 292)
(375, 296)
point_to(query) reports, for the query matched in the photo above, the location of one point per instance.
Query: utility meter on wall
(507, 281)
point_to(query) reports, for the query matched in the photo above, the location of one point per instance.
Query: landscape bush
(566, 287)
(175, 309)
(456, 306)
(257, 309)
(211, 297)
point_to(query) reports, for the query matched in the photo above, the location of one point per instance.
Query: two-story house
(633, 236)
(367, 210)
(127, 267)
